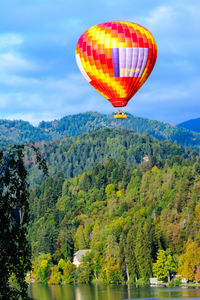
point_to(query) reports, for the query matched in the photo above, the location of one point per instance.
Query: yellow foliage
(197, 211)
(119, 193)
(197, 275)
(154, 169)
(44, 264)
(189, 261)
(55, 277)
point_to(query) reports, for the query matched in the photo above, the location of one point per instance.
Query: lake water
(102, 292)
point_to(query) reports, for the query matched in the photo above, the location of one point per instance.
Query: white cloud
(33, 118)
(8, 40)
(161, 19)
(13, 62)
(48, 98)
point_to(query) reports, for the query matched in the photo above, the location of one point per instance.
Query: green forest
(75, 125)
(72, 155)
(131, 200)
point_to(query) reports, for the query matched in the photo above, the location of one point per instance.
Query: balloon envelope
(116, 58)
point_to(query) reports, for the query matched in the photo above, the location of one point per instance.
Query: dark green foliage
(90, 121)
(132, 267)
(14, 218)
(143, 252)
(71, 156)
(21, 131)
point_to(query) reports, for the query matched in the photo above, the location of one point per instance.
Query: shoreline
(161, 285)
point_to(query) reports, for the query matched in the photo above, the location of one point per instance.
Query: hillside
(69, 126)
(86, 122)
(72, 155)
(21, 132)
(193, 125)
(124, 207)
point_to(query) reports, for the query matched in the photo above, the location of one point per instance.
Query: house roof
(80, 253)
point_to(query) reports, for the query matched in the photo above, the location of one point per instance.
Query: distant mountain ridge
(21, 132)
(75, 125)
(193, 124)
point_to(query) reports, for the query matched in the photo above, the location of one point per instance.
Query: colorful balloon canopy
(116, 58)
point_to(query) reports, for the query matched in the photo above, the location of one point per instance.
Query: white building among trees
(78, 255)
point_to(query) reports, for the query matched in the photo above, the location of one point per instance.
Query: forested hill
(136, 196)
(21, 132)
(86, 122)
(193, 124)
(74, 125)
(72, 155)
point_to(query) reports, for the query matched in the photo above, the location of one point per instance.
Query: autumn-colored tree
(197, 274)
(189, 261)
(69, 273)
(41, 267)
(55, 277)
(109, 190)
(112, 272)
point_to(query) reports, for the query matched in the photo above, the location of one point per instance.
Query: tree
(55, 277)
(69, 273)
(164, 265)
(14, 218)
(41, 267)
(189, 261)
(122, 258)
(131, 268)
(197, 275)
(96, 238)
(109, 190)
(80, 242)
(143, 254)
(112, 260)
(86, 268)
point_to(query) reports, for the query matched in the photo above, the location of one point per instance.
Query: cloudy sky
(39, 78)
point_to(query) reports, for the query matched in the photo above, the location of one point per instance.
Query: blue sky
(39, 78)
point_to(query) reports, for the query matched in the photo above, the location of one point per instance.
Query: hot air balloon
(116, 58)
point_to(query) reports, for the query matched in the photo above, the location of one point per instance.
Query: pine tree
(131, 267)
(80, 242)
(143, 254)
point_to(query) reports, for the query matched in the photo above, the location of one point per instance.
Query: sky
(39, 78)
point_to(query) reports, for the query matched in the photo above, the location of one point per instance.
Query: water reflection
(103, 292)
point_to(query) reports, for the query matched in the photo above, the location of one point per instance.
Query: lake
(98, 291)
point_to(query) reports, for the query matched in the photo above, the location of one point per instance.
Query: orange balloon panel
(116, 58)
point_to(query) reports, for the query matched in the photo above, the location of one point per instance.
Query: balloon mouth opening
(119, 102)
